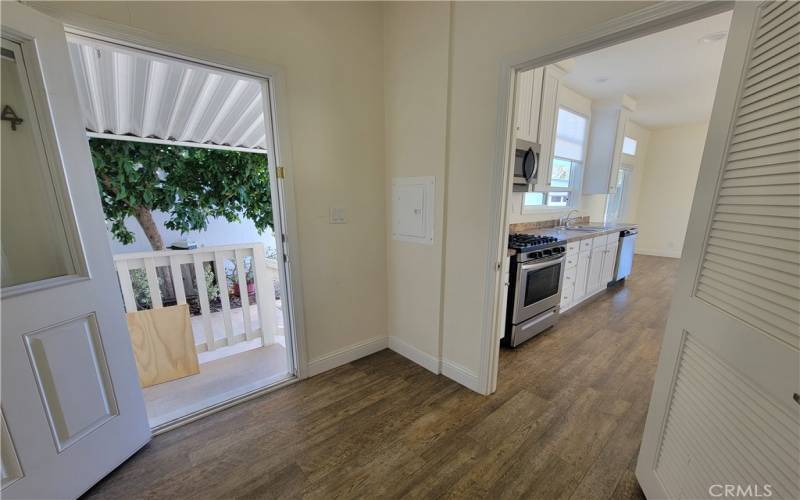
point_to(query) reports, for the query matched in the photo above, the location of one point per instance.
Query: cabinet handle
(796, 398)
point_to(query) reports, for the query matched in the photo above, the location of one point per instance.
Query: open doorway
(604, 153)
(185, 164)
(607, 148)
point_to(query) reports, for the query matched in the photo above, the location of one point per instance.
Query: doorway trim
(659, 17)
(85, 26)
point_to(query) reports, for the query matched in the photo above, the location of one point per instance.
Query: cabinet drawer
(569, 275)
(599, 241)
(571, 260)
(586, 244)
(575, 246)
(566, 296)
(612, 239)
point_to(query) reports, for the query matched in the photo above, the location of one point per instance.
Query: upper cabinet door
(529, 96)
(72, 409)
(725, 406)
(548, 114)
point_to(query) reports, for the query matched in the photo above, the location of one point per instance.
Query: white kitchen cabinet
(605, 145)
(568, 288)
(582, 272)
(529, 98)
(594, 277)
(609, 261)
(548, 115)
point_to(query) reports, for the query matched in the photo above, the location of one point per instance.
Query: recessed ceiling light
(713, 37)
(601, 79)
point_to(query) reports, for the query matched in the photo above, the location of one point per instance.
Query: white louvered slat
(131, 93)
(751, 265)
(727, 429)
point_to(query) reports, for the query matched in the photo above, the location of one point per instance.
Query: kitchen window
(629, 146)
(568, 153)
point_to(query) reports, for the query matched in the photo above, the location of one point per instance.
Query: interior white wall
(332, 54)
(665, 199)
(416, 52)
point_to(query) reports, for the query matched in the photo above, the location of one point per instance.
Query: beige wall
(665, 200)
(332, 54)
(416, 51)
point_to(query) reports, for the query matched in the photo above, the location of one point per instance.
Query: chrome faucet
(565, 221)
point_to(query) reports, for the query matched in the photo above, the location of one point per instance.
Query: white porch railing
(172, 263)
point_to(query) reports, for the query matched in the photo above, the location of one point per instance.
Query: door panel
(72, 406)
(724, 408)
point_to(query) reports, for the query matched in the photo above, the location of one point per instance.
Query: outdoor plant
(190, 184)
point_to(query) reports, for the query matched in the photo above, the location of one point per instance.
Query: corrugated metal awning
(128, 93)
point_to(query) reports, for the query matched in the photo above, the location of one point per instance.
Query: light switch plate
(337, 216)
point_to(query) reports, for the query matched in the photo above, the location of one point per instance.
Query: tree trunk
(145, 218)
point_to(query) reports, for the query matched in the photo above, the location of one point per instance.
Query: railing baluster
(222, 282)
(152, 283)
(265, 294)
(177, 281)
(243, 292)
(125, 284)
(202, 295)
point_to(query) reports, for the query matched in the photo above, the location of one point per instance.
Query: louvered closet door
(725, 409)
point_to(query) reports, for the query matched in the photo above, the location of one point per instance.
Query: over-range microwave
(526, 164)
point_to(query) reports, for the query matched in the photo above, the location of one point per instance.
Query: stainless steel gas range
(535, 287)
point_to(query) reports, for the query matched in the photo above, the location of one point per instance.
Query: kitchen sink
(589, 229)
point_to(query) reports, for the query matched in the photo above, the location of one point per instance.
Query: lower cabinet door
(582, 271)
(593, 282)
(568, 288)
(609, 261)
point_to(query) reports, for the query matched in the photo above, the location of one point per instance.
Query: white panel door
(582, 275)
(724, 418)
(71, 404)
(595, 274)
(609, 260)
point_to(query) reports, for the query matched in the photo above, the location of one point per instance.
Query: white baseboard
(419, 357)
(675, 254)
(462, 375)
(346, 355)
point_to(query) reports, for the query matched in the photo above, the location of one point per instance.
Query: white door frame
(279, 155)
(659, 17)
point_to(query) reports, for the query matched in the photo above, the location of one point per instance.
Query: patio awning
(129, 94)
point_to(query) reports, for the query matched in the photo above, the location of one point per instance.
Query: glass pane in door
(32, 233)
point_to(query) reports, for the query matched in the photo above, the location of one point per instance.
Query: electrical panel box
(412, 209)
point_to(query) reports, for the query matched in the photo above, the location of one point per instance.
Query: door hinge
(279, 172)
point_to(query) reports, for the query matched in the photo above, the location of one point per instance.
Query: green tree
(189, 184)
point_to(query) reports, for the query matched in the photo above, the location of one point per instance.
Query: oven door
(538, 287)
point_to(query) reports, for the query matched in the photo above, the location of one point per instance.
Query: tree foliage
(189, 184)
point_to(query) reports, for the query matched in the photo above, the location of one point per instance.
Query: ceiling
(129, 94)
(672, 75)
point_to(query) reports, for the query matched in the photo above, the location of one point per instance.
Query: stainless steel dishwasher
(627, 241)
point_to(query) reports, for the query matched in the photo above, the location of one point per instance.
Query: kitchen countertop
(572, 235)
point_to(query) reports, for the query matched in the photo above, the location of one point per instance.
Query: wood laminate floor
(565, 422)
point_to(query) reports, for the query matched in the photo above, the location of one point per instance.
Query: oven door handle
(542, 264)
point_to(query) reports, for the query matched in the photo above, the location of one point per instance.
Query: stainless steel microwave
(526, 164)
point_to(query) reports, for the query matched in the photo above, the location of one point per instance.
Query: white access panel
(412, 209)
